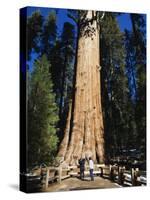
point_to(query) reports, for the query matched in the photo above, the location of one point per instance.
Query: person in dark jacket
(82, 167)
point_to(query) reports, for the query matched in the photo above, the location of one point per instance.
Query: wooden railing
(120, 175)
(116, 174)
(55, 174)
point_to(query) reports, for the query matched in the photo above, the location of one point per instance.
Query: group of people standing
(82, 167)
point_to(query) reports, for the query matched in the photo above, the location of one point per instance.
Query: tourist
(91, 166)
(82, 167)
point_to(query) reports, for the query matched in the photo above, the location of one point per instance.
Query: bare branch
(73, 18)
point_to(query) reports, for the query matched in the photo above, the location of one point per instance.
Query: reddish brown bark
(87, 135)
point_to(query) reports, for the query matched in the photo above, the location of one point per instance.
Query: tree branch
(73, 18)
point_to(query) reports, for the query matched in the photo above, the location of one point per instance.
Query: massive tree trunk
(85, 137)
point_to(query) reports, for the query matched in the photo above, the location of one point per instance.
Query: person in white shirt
(91, 166)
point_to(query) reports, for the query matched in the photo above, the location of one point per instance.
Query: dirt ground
(74, 183)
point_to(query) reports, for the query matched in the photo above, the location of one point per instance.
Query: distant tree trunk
(62, 87)
(86, 132)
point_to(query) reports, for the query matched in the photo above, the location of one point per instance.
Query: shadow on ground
(14, 187)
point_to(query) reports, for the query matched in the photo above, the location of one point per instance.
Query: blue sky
(62, 15)
(124, 22)
(124, 19)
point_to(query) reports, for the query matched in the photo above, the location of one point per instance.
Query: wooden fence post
(120, 175)
(134, 176)
(111, 175)
(47, 178)
(137, 174)
(60, 173)
(101, 168)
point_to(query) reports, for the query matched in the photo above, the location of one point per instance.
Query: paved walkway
(71, 184)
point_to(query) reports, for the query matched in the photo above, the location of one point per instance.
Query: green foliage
(49, 33)
(41, 33)
(68, 53)
(115, 91)
(61, 57)
(34, 29)
(42, 115)
(123, 61)
(62, 69)
(123, 84)
(139, 54)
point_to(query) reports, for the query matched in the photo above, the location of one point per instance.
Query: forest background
(51, 43)
(11, 99)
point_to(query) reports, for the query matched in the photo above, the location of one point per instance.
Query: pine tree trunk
(87, 133)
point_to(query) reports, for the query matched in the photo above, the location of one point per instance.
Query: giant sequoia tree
(118, 88)
(84, 133)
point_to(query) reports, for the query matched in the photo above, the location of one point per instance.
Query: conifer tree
(49, 34)
(34, 30)
(67, 51)
(42, 115)
(115, 91)
(139, 45)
